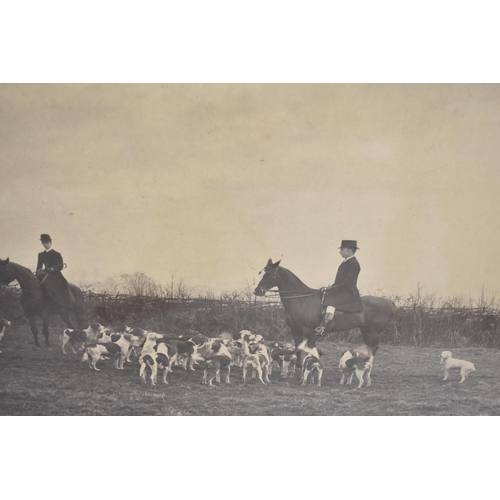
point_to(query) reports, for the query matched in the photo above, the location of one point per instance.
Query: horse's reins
(275, 277)
(40, 283)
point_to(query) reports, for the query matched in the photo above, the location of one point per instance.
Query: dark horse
(303, 308)
(36, 302)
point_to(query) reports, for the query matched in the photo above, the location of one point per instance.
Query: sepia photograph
(265, 232)
(249, 249)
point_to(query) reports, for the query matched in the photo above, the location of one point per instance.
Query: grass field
(405, 381)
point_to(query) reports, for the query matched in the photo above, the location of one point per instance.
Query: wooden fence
(419, 326)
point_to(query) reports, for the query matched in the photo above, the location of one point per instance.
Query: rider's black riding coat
(54, 284)
(344, 294)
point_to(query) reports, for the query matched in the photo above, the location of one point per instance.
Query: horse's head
(270, 278)
(6, 275)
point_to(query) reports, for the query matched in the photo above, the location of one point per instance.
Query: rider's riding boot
(327, 319)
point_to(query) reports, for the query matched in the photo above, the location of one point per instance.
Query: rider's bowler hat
(45, 237)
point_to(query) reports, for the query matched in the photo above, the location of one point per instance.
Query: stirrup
(320, 330)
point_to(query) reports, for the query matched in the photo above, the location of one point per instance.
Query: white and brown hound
(283, 354)
(165, 356)
(80, 338)
(148, 357)
(217, 357)
(94, 352)
(359, 361)
(257, 358)
(312, 368)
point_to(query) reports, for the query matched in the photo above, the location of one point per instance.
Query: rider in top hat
(49, 266)
(343, 294)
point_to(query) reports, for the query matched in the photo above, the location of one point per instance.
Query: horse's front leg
(45, 329)
(34, 330)
(370, 338)
(66, 318)
(299, 335)
(297, 339)
(308, 337)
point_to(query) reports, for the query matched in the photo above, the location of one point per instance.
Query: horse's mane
(22, 275)
(296, 278)
(18, 267)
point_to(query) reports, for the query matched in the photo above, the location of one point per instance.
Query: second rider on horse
(48, 269)
(343, 294)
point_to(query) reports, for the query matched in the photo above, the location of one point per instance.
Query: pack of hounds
(158, 354)
(246, 350)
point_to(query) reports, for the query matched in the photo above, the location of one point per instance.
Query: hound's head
(444, 356)
(152, 336)
(104, 337)
(216, 345)
(96, 327)
(130, 338)
(253, 347)
(246, 335)
(122, 329)
(198, 338)
(138, 332)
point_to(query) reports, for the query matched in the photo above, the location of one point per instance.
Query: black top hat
(349, 244)
(45, 237)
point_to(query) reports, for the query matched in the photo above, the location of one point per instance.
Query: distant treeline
(420, 321)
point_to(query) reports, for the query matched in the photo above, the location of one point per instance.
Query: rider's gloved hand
(324, 289)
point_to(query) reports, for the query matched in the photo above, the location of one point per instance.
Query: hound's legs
(320, 376)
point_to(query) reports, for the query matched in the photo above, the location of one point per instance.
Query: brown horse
(303, 308)
(36, 302)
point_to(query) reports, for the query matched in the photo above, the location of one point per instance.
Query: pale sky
(213, 180)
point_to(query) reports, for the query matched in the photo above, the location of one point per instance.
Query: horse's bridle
(275, 278)
(274, 283)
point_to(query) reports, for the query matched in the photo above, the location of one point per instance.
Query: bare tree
(139, 284)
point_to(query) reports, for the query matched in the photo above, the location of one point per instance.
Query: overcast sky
(210, 181)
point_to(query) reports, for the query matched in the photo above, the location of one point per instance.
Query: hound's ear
(277, 263)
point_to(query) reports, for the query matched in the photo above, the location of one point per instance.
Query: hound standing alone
(448, 363)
